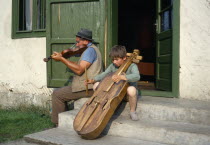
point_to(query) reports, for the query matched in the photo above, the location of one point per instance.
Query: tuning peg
(139, 57)
(136, 60)
(136, 51)
(129, 54)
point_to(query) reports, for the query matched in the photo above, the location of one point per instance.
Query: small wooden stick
(86, 80)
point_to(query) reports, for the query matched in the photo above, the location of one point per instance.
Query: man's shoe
(55, 125)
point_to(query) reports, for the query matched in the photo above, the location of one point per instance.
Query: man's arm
(76, 68)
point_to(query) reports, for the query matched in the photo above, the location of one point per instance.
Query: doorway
(137, 30)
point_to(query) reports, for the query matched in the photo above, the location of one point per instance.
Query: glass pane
(25, 14)
(166, 3)
(166, 20)
(41, 14)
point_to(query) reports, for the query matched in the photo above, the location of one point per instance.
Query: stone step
(61, 136)
(168, 109)
(168, 132)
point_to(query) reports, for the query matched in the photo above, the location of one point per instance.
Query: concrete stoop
(169, 109)
(161, 121)
(62, 136)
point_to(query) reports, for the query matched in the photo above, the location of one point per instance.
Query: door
(164, 45)
(64, 19)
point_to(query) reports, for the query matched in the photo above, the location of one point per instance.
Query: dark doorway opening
(137, 30)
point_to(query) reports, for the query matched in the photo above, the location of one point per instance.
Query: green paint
(65, 19)
(174, 57)
(35, 32)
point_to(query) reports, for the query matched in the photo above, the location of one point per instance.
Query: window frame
(15, 23)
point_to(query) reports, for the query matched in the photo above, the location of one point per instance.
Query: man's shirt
(89, 54)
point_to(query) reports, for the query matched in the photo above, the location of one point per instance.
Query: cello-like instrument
(97, 111)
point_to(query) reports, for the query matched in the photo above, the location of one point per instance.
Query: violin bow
(72, 47)
(86, 80)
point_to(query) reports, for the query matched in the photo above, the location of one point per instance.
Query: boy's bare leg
(131, 91)
(95, 86)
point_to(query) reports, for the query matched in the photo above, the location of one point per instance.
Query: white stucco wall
(22, 70)
(195, 49)
(23, 73)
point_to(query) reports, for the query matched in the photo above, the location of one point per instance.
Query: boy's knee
(131, 91)
(95, 86)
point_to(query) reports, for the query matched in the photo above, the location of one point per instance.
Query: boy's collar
(115, 66)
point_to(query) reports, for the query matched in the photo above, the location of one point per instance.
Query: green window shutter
(65, 19)
(164, 45)
(28, 18)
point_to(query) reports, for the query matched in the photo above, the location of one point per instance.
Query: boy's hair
(118, 51)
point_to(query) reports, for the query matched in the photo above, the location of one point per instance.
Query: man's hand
(117, 78)
(56, 56)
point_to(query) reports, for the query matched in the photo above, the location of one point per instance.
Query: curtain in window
(166, 17)
(25, 15)
(41, 14)
(28, 14)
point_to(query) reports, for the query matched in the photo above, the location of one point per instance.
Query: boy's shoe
(134, 116)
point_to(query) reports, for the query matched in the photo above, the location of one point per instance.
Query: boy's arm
(100, 76)
(103, 74)
(134, 74)
(117, 78)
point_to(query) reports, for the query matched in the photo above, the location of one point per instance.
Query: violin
(67, 53)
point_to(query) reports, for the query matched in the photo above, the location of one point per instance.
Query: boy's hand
(89, 82)
(117, 78)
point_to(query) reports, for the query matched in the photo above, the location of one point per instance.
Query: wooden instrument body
(97, 111)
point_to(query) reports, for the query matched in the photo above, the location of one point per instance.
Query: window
(166, 15)
(28, 18)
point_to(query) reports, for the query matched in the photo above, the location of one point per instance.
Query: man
(90, 60)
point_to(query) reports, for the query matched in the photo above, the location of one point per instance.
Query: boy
(132, 75)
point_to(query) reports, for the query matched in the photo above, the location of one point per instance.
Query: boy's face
(118, 61)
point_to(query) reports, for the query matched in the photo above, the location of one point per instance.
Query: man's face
(81, 42)
(118, 61)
